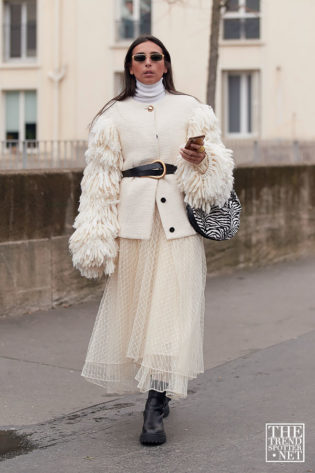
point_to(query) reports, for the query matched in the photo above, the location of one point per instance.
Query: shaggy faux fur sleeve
(92, 245)
(210, 182)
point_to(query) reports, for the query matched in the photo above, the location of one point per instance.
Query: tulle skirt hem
(148, 333)
(132, 377)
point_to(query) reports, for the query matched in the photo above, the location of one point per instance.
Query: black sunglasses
(140, 57)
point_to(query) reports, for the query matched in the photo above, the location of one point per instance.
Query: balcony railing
(45, 154)
(41, 154)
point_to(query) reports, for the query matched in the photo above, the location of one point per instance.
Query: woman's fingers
(192, 156)
(197, 147)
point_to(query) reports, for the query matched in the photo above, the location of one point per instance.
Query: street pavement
(259, 352)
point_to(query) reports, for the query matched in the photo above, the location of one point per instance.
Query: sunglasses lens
(139, 57)
(156, 57)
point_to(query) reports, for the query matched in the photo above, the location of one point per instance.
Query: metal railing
(45, 154)
(41, 154)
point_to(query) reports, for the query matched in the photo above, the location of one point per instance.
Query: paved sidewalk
(259, 357)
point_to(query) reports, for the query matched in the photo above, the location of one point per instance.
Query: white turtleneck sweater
(149, 92)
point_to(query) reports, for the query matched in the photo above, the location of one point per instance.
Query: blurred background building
(62, 60)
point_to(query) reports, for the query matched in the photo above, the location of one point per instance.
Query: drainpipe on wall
(57, 74)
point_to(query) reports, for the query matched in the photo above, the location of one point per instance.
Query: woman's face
(148, 71)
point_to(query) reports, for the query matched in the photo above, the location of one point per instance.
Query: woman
(132, 226)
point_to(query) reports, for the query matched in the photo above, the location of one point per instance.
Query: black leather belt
(157, 169)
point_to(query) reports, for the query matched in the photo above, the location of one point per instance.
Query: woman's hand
(193, 156)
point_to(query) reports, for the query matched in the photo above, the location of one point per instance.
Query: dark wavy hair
(129, 81)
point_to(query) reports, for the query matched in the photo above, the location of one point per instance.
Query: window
(20, 115)
(133, 18)
(19, 29)
(241, 20)
(241, 103)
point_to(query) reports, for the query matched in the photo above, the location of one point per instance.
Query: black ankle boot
(166, 410)
(158, 385)
(153, 428)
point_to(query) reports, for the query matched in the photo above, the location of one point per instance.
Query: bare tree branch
(214, 50)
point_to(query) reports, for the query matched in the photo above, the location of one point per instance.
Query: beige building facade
(61, 60)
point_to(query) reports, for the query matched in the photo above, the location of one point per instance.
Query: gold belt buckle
(164, 169)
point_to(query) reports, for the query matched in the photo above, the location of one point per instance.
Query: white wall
(89, 55)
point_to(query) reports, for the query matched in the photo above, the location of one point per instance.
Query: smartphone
(198, 140)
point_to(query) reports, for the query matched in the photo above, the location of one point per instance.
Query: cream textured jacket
(128, 134)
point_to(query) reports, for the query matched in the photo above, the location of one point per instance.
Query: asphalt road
(259, 358)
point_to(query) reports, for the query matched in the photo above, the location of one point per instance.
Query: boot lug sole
(152, 439)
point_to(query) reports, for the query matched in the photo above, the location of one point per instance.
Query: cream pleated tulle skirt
(148, 332)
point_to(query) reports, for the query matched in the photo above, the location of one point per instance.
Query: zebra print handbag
(221, 223)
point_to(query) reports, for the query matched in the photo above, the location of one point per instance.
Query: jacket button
(150, 108)
(163, 199)
(172, 229)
